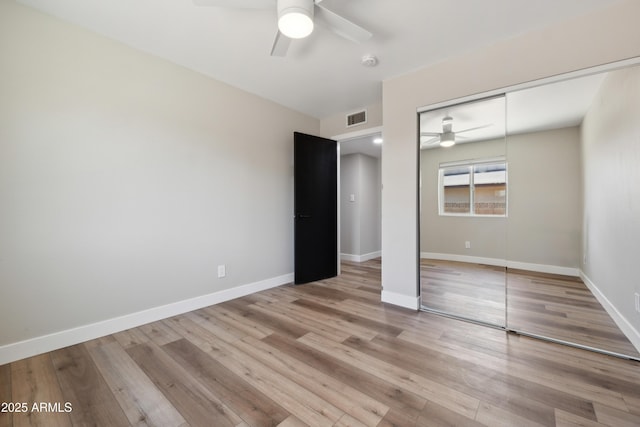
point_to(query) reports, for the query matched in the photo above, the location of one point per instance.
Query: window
(474, 188)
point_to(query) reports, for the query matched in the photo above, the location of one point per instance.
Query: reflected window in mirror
(474, 188)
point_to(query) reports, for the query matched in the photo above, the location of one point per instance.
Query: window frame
(471, 164)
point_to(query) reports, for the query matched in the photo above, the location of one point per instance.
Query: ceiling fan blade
(341, 26)
(430, 133)
(431, 141)
(474, 128)
(280, 45)
(238, 4)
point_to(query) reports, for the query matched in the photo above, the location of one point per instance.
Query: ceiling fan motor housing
(447, 139)
(295, 18)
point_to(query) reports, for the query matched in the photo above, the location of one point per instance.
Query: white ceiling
(362, 145)
(550, 106)
(321, 75)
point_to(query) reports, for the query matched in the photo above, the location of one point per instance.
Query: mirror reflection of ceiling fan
(296, 20)
(447, 137)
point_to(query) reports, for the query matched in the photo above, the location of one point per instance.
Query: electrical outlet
(222, 271)
(637, 298)
(467, 244)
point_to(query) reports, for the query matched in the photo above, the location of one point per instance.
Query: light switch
(352, 197)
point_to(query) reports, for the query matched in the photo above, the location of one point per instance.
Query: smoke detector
(369, 60)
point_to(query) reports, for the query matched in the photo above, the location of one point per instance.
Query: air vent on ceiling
(358, 118)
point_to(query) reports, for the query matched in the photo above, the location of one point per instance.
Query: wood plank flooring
(475, 291)
(322, 354)
(563, 308)
(559, 307)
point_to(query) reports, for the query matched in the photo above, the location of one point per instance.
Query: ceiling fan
(447, 137)
(296, 20)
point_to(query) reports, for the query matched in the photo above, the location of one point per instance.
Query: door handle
(301, 216)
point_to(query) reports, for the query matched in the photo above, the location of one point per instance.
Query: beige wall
(605, 36)
(370, 205)
(611, 174)
(543, 227)
(446, 235)
(360, 218)
(545, 200)
(125, 180)
(349, 211)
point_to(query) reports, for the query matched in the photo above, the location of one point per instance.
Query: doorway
(360, 183)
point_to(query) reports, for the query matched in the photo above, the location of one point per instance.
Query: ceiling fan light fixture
(447, 139)
(295, 18)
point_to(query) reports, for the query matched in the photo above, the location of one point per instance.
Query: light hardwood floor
(322, 354)
(475, 291)
(559, 307)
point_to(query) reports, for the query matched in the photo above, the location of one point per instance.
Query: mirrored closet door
(573, 152)
(529, 207)
(463, 210)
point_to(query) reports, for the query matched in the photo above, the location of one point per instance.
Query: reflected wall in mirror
(572, 220)
(463, 210)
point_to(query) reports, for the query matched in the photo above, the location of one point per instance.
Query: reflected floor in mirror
(555, 306)
(562, 307)
(473, 291)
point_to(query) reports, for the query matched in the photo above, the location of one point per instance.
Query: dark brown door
(316, 208)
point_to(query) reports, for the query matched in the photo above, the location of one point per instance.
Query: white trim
(31, 347)
(540, 268)
(401, 300)
(360, 258)
(338, 207)
(350, 257)
(544, 268)
(625, 326)
(464, 258)
(357, 134)
(472, 162)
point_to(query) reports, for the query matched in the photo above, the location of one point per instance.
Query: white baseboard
(544, 268)
(31, 347)
(401, 300)
(627, 328)
(350, 257)
(464, 258)
(540, 268)
(360, 258)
